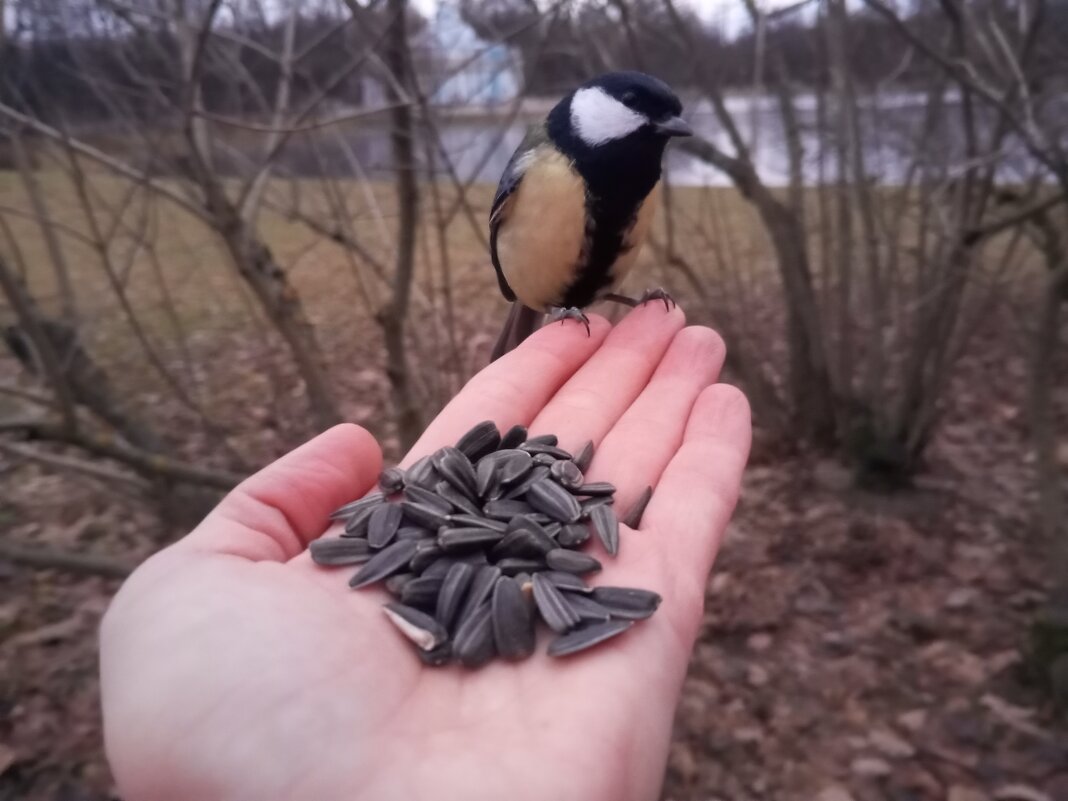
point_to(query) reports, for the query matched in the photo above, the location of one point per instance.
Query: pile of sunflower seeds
(477, 541)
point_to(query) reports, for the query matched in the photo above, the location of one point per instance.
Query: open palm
(235, 668)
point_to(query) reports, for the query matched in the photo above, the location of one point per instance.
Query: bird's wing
(513, 174)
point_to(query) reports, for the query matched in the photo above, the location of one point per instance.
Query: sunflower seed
(482, 439)
(586, 608)
(544, 459)
(553, 606)
(391, 480)
(456, 498)
(422, 474)
(436, 657)
(573, 536)
(415, 533)
(511, 566)
(627, 602)
(587, 637)
(513, 624)
(382, 528)
(459, 539)
(539, 473)
(566, 474)
(385, 563)
(439, 567)
(456, 469)
(426, 553)
(352, 507)
(486, 476)
(475, 558)
(543, 439)
(633, 517)
(334, 552)
(425, 497)
(568, 582)
(395, 584)
(590, 504)
(482, 584)
(525, 538)
(457, 581)
(606, 527)
(532, 447)
(423, 516)
(357, 524)
(555, 501)
(571, 561)
(596, 488)
(506, 510)
(552, 529)
(422, 592)
(513, 465)
(514, 437)
(584, 456)
(473, 643)
(476, 521)
(417, 626)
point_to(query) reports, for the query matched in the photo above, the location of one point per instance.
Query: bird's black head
(617, 121)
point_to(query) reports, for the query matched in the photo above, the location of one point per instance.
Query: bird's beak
(673, 126)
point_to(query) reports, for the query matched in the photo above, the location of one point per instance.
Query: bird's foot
(657, 293)
(570, 313)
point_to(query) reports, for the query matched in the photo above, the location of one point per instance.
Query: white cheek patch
(597, 117)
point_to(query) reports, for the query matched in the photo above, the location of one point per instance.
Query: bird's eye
(628, 98)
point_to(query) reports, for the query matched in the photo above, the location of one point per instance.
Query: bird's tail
(521, 323)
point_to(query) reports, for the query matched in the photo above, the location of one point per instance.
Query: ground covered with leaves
(856, 645)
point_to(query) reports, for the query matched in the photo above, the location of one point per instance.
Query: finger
(588, 405)
(641, 443)
(514, 388)
(273, 514)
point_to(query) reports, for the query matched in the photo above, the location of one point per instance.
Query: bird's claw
(659, 293)
(571, 313)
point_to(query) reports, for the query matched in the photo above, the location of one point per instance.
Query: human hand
(235, 668)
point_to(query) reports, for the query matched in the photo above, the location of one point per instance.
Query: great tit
(576, 200)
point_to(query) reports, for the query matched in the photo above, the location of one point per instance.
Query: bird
(576, 199)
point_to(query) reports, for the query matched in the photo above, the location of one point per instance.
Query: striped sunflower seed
(439, 567)
(513, 465)
(627, 602)
(482, 439)
(532, 448)
(633, 517)
(588, 609)
(552, 606)
(422, 592)
(506, 510)
(456, 498)
(415, 533)
(460, 539)
(395, 584)
(513, 623)
(587, 637)
(453, 591)
(544, 459)
(419, 514)
(519, 489)
(426, 497)
(474, 558)
(382, 528)
(555, 501)
(336, 551)
(436, 657)
(514, 437)
(571, 561)
(566, 474)
(543, 439)
(568, 582)
(573, 536)
(473, 644)
(513, 565)
(426, 553)
(482, 584)
(596, 488)
(391, 480)
(417, 626)
(385, 563)
(606, 526)
(590, 504)
(487, 477)
(457, 470)
(584, 456)
(476, 521)
(356, 526)
(422, 474)
(352, 507)
(552, 529)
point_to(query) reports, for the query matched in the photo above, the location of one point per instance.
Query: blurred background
(227, 224)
